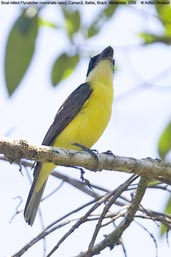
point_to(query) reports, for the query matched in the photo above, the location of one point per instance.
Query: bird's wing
(67, 112)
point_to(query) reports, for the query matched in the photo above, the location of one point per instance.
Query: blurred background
(45, 51)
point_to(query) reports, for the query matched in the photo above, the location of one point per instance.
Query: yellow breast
(88, 125)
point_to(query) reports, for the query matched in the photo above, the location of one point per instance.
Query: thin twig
(113, 238)
(116, 194)
(151, 235)
(81, 221)
(49, 229)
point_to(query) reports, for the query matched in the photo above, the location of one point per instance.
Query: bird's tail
(35, 194)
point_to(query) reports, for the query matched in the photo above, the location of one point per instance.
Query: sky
(140, 113)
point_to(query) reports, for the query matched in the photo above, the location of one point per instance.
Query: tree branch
(116, 192)
(112, 239)
(17, 150)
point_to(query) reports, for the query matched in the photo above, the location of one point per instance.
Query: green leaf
(152, 38)
(72, 21)
(20, 48)
(164, 13)
(167, 210)
(164, 145)
(63, 67)
(92, 31)
(111, 8)
(45, 23)
(148, 38)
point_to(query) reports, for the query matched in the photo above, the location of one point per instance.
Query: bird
(80, 121)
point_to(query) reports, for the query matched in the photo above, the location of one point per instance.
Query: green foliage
(163, 229)
(63, 67)
(152, 38)
(20, 45)
(110, 9)
(72, 21)
(45, 23)
(92, 31)
(21, 41)
(20, 48)
(164, 15)
(164, 145)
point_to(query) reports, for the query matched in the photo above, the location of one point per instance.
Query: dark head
(101, 66)
(107, 53)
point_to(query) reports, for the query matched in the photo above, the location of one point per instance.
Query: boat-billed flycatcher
(80, 120)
